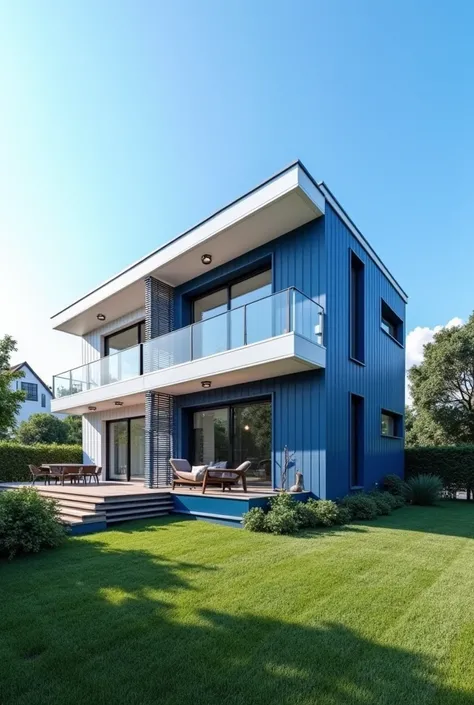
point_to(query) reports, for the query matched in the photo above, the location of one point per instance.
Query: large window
(234, 434)
(31, 390)
(391, 424)
(391, 323)
(356, 308)
(356, 440)
(216, 333)
(124, 339)
(126, 449)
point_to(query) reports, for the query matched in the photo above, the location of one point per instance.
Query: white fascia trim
(362, 241)
(292, 179)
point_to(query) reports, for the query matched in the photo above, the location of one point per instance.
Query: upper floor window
(43, 401)
(125, 338)
(391, 424)
(238, 293)
(391, 323)
(31, 390)
(356, 308)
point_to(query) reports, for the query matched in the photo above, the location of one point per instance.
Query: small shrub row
(454, 465)
(15, 458)
(28, 522)
(423, 488)
(287, 516)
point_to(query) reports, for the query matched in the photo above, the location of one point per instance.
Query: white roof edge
(335, 205)
(294, 177)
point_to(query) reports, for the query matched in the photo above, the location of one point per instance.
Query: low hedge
(453, 464)
(15, 458)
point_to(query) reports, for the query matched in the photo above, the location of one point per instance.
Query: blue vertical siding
(381, 381)
(297, 406)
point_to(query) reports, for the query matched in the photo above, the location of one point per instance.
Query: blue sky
(124, 123)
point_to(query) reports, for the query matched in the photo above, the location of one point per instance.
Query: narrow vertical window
(357, 440)
(43, 401)
(356, 308)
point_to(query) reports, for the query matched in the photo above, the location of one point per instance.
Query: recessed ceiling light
(92, 408)
(206, 384)
(101, 317)
(246, 428)
(206, 259)
(118, 403)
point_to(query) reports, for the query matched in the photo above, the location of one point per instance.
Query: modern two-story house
(271, 324)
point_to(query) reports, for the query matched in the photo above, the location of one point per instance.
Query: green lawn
(178, 612)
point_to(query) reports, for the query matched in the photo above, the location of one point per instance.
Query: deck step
(167, 506)
(84, 519)
(122, 506)
(130, 517)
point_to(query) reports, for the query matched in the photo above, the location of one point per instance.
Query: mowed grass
(179, 611)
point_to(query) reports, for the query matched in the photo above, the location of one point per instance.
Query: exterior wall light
(101, 317)
(246, 428)
(92, 408)
(206, 259)
(206, 384)
(118, 403)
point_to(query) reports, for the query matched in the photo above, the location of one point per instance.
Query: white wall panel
(92, 342)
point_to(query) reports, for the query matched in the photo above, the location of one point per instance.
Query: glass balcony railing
(288, 311)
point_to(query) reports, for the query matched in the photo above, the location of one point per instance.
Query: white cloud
(417, 339)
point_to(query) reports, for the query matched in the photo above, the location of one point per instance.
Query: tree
(422, 430)
(10, 399)
(442, 388)
(42, 428)
(74, 429)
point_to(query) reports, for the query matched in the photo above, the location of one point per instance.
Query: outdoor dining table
(61, 471)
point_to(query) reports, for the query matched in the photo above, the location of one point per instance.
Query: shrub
(425, 489)
(360, 505)
(254, 520)
(395, 501)
(384, 506)
(28, 522)
(325, 512)
(453, 464)
(395, 485)
(282, 520)
(15, 458)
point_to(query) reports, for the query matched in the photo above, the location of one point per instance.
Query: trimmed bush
(282, 520)
(395, 501)
(28, 522)
(254, 519)
(395, 485)
(384, 506)
(425, 489)
(15, 458)
(361, 506)
(325, 512)
(453, 464)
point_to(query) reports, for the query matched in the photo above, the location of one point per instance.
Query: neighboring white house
(38, 394)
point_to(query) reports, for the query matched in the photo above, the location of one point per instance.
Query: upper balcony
(273, 336)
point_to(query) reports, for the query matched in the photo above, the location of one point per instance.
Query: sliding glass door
(126, 449)
(234, 434)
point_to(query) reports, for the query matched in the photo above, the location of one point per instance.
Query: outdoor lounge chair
(207, 476)
(39, 472)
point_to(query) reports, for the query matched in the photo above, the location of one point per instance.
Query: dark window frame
(356, 440)
(28, 387)
(43, 400)
(398, 424)
(230, 406)
(356, 308)
(128, 419)
(391, 320)
(137, 325)
(267, 267)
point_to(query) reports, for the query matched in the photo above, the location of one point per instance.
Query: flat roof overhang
(285, 202)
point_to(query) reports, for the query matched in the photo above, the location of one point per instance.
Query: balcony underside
(275, 357)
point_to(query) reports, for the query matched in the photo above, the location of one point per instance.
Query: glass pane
(211, 336)
(118, 450)
(236, 320)
(267, 318)
(114, 368)
(251, 289)
(167, 350)
(122, 340)
(210, 305)
(137, 448)
(305, 316)
(142, 332)
(211, 436)
(388, 425)
(252, 441)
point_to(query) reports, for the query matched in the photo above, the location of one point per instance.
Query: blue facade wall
(297, 409)
(381, 381)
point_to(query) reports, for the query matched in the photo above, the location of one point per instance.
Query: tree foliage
(442, 388)
(10, 399)
(74, 430)
(42, 428)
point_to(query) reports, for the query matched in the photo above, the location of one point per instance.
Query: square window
(31, 390)
(391, 424)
